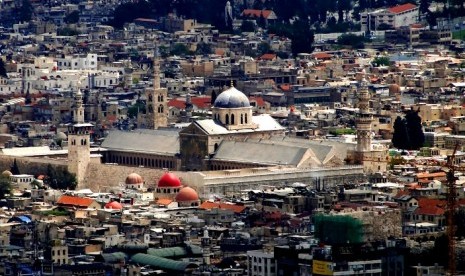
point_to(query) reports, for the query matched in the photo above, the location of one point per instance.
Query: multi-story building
(261, 263)
(391, 18)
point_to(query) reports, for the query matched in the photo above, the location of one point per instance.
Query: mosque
(233, 139)
(232, 151)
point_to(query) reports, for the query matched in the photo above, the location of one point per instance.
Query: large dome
(187, 194)
(169, 180)
(232, 98)
(134, 178)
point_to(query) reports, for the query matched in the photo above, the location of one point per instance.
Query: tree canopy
(3, 72)
(408, 132)
(60, 178)
(5, 186)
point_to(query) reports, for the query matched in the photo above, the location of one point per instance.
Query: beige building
(156, 114)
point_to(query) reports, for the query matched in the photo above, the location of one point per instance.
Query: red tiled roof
(258, 100)
(402, 8)
(430, 210)
(322, 55)
(427, 175)
(177, 103)
(256, 13)
(75, 201)
(267, 57)
(164, 201)
(208, 205)
(203, 102)
(423, 201)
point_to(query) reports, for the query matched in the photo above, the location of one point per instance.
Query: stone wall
(29, 165)
(103, 177)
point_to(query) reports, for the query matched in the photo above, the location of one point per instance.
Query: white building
(260, 263)
(76, 62)
(394, 17)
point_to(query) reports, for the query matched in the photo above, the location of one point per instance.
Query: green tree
(67, 32)
(60, 178)
(263, 48)
(14, 169)
(247, 26)
(213, 97)
(302, 37)
(25, 11)
(354, 41)
(134, 110)
(203, 48)
(400, 137)
(127, 12)
(415, 130)
(381, 61)
(5, 186)
(3, 72)
(180, 49)
(72, 17)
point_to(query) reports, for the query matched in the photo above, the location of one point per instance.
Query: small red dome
(134, 178)
(187, 194)
(169, 180)
(114, 205)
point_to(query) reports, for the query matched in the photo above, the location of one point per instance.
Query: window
(227, 119)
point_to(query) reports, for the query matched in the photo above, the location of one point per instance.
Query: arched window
(242, 119)
(226, 121)
(216, 146)
(150, 98)
(161, 98)
(232, 119)
(158, 98)
(246, 118)
(160, 108)
(150, 109)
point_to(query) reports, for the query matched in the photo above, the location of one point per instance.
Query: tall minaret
(364, 117)
(157, 100)
(78, 112)
(79, 141)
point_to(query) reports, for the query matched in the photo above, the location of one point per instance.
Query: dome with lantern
(169, 180)
(187, 197)
(231, 98)
(168, 186)
(134, 181)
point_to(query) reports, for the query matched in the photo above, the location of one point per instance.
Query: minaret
(79, 141)
(157, 100)
(189, 108)
(364, 117)
(206, 243)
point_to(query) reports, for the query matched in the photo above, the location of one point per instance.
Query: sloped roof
(164, 142)
(162, 263)
(263, 153)
(208, 205)
(169, 252)
(258, 13)
(402, 8)
(75, 201)
(164, 201)
(264, 122)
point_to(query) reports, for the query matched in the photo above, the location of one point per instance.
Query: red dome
(134, 178)
(114, 205)
(187, 194)
(169, 180)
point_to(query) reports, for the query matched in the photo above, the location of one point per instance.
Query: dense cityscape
(244, 137)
